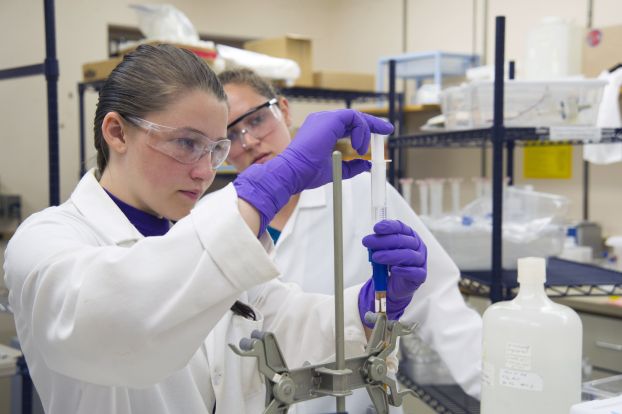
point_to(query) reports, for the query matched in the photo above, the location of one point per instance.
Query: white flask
(531, 350)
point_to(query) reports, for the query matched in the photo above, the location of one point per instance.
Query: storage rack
(49, 68)
(564, 278)
(442, 398)
(297, 93)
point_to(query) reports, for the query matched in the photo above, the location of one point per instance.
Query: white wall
(347, 34)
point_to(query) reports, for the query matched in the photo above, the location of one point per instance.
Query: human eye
(187, 144)
(257, 119)
(233, 135)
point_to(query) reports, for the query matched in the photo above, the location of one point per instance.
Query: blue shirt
(274, 233)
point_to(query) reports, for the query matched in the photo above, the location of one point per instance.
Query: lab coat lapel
(308, 199)
(101, 212)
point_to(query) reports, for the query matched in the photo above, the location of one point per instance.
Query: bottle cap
(532, 270)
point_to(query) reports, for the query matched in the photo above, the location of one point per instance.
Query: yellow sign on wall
(547, 161)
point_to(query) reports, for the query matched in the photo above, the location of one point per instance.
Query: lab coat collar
(101, 212)
(313, 198)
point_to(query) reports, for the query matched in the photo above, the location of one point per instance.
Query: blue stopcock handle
(380, 274)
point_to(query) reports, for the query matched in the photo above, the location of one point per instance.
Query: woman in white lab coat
(303, 230)
(119, 312)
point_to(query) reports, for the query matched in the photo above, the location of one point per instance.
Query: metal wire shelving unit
(564, 278)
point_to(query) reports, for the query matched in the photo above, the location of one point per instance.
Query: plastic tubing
(436, 197)
(380, 272)
(455, 194)
(423, 197)
(406, 185)
(378, 178)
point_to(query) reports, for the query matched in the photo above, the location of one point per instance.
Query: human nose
(203, 169)
(245, 134)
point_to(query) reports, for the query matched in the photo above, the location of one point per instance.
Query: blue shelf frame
(49, 68)
(497, 283)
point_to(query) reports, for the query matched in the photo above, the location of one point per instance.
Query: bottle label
(488, 373)
(529, 381)
(518, 356)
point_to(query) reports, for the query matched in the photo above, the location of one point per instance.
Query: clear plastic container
(531, 350)
(602, 388)
(553, 49)
(531, 227)
(425, 65)
(526, 104)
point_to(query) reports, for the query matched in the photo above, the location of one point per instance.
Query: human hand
(398, 246)
(306, 163)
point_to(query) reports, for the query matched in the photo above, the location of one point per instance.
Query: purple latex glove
(306, 163)
(398, 246)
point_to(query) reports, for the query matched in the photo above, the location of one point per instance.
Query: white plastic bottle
(531, 350)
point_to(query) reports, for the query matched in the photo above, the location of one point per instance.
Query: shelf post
(509, 167)
(498, 137)
(51, 76)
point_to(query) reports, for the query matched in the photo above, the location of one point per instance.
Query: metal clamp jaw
(285, 387)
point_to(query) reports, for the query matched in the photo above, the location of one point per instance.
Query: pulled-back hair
(243, 76)
(148, 80)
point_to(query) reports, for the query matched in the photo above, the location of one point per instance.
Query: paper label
(518, 356)
(521, 380)
(574, 133)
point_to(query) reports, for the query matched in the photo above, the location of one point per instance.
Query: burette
(380, 272)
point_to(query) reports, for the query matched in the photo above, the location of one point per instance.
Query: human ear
(113, 131)
(284, 107)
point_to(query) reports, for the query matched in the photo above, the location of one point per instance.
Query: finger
(406, 274)
(391, 241)
(392, 227)
(399, 257)
(354, 167)
(377, 125)
(359, 133)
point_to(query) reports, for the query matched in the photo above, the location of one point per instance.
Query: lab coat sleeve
(130, 316)
(446, 323)
(304, 323)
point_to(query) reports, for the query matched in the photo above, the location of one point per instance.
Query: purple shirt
(147, 224)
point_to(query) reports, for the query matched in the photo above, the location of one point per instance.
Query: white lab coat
(112, 322)
(304, 255)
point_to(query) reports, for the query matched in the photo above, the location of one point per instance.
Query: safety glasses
(182, 144)
(257, 122)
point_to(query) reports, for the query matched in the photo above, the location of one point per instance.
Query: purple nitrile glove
(398, 246)
(306, 163)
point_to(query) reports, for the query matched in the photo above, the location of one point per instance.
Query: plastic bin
(526, 104)
(531, 227)
(602, 388)
(425, 65)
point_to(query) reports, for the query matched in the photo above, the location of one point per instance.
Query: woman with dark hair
(119, 311)
(259, 130)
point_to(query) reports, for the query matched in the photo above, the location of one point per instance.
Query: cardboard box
(206, 53)
(94, 71)
(344, 80)
(294, 47)
(602, 49)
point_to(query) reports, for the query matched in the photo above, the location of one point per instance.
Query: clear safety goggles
(257, 122)
(182, 144)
